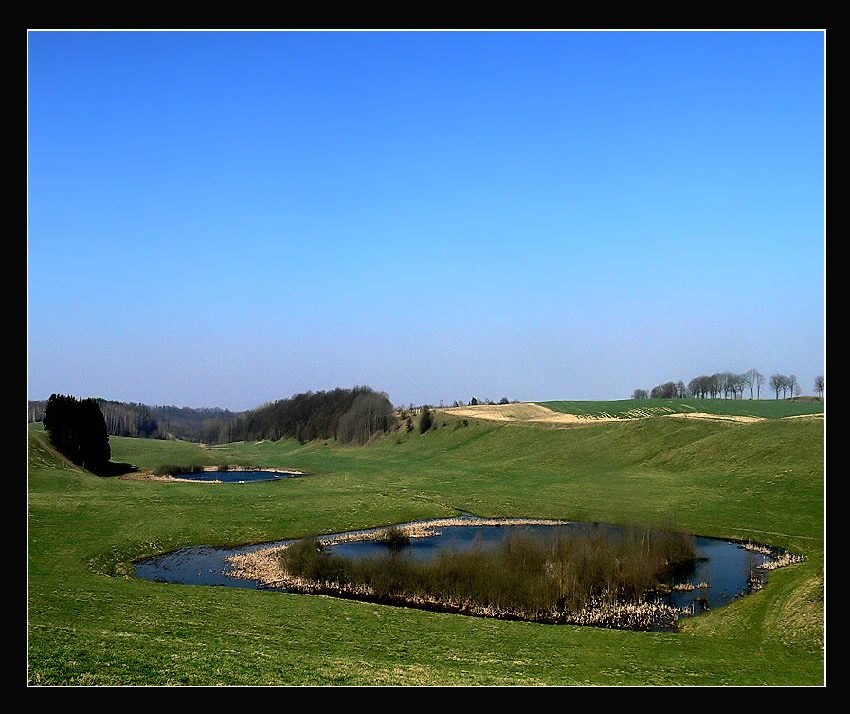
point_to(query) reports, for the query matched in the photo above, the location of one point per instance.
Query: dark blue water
(236, 476)
(199, 565)
(723, 565)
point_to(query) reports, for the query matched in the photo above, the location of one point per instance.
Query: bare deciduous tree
(777, 383)
(727, 385)
(792, 386)
(755, 380)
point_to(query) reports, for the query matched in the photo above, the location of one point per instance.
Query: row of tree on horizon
(729, 385)
(356, 415)
(347, 415)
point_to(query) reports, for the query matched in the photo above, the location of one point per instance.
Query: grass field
(91, 623)
(631, 408)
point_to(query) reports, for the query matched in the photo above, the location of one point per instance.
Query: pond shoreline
(264, 566)
(644, 616)
(260, 565)
(166, 478)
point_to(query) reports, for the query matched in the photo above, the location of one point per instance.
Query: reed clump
(561, 578)
(395, 538)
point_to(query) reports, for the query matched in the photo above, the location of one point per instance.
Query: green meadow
(89, 622)
(631, 408)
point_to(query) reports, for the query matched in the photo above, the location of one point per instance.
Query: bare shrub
(525, 575)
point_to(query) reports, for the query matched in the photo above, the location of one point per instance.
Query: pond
(722, 571)
(234, 476)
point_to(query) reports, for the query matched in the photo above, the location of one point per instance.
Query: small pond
(720, 574)
(236, 476)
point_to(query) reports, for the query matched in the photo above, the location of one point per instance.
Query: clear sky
(223, 219)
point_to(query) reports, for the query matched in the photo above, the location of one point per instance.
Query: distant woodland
(354, 416)
(348, 415)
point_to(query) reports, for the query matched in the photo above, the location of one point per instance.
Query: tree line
(348, 415)
(729, 385)
(149, 422)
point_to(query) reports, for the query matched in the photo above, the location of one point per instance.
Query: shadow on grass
(114, 468)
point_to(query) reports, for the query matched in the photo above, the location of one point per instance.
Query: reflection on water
(723, 566)
(199, 565)
(236, 476)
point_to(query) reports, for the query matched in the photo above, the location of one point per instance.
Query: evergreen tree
(78, 430)
(425, 420)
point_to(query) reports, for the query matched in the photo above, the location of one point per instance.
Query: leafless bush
(525, 575)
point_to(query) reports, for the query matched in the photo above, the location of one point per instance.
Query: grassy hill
(635, 408)
(89, 622)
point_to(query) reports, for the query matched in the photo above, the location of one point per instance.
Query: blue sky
(229, 218)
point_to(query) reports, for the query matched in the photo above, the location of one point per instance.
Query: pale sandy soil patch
(538, 414)
(522, 413)
(715, 417)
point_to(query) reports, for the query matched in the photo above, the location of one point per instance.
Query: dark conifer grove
(78, 431)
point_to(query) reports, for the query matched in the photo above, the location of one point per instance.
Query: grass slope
(89, 622)
(633, 408)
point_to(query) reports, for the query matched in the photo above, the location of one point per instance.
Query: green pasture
(89, 622)
(637, 408)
